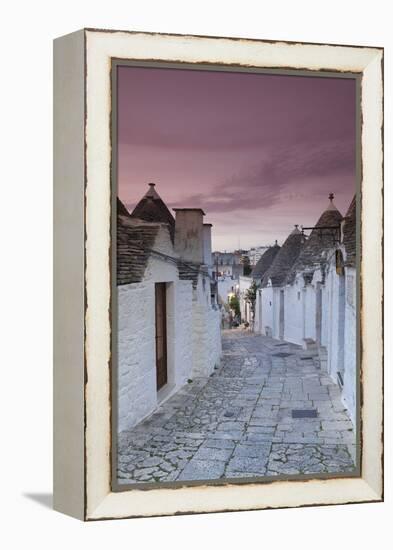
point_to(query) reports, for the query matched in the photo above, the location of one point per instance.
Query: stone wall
(206, 335)
(294, 297)
(258, 328)
(349, 389)
(137, 392)
(193, 335)
(135, 353)
(333, 290)
(267, 311)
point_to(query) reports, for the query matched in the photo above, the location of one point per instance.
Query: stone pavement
(238, 422)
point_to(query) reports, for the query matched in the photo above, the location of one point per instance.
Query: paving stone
(190, 438)
(251, 451)
(248, 464)
(202, 469)
(218, 444)
(207, 453)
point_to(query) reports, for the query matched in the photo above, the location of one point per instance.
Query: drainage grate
(306, 358)
(304, 413)
(281, 354)
(229, 414)
(281, 344)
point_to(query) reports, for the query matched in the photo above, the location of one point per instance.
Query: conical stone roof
(264, 262)
(135, 238)
(349, 234)
(121, 209)
(151, 208)
(284, 260)
(320, 241)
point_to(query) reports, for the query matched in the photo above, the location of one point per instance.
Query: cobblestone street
(239, 422)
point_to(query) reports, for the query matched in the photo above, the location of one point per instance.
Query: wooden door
(161, 336)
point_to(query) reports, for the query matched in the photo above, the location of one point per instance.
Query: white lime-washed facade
(310, 299)
(157, 352)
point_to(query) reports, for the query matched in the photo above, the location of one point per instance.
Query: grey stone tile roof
(284, 260)
(134, 241)
(315, 249)
(189, 272)
(121, 209)
(264, 262)
(152, 208)
(349, 234)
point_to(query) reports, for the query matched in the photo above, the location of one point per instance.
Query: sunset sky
(259, 153)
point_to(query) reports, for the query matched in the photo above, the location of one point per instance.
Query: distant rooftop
(349, 234)
(151, 208)
(285, 258)
(319, 242)
(264, 262)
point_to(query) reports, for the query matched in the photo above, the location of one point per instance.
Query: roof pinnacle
(331, 205)
(151, 192)
(296, 231)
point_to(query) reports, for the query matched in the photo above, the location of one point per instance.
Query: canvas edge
(68, 272)
(372, 486)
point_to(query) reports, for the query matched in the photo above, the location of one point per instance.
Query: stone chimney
(189, 234)
(207, 244)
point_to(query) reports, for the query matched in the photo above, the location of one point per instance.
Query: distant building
(255, 253)
(227, 264)
(168, 327)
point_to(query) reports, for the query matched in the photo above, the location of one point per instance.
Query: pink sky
(259, 153)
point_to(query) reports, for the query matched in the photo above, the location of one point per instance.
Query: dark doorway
(161, 336)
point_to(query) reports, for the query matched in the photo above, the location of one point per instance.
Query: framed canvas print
(218, 274)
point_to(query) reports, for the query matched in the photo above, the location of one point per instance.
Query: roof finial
(151, 192)
(331, 197)
(276, 242)
(296, 226)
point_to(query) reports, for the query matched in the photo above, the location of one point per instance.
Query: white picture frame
(82, 335)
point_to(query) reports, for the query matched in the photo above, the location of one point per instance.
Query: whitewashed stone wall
(349, 389)
(258, 328)
(135, 353)
(267, 311)
(182, 338)
(293, 299)
(332, 285)
(325, 316)
(193, 335)
(137, 393)
(309, 311)
(206, 334)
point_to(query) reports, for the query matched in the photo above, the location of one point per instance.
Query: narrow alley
(267, 410)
